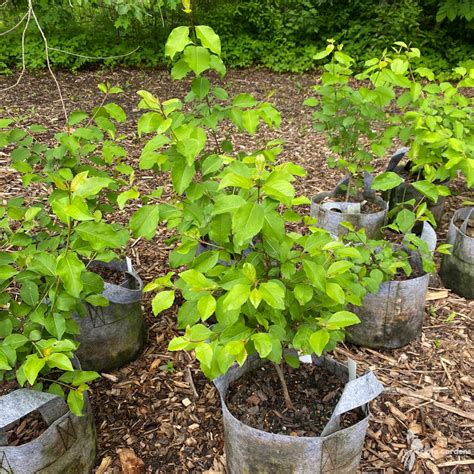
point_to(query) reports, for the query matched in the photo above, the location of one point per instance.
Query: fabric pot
(113, 335)
(394, 316)
(330, 214)
(68, 446)
(251, 451)
(405, 191)
(457, 269)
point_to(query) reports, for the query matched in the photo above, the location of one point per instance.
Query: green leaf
(227, 203)
(247, 222)
(102, 236)
(6, 272)
(263, 344)
(178, 344)
(255, 298)
(116, 112)
(162, 301)
(4, 365)
(177, 41)
(182, 175)
(91, 186)
(61, 361)
(405, 220)
(338, 268)
(342, 319)
(335, 292)
(197, 280)
(32, 367)
(144, 221)
(198, 333)
(273, 294)
(303, 293)
(206, 306)
(235, 180)
(316, 274)
(44, 264)
(236, 297)
(75, 401)
(204, 353)
(123, 197)
(319, 340)
(386, 181)
(29, 292)
(69, 270)
(209, 38)
(55, 324)
(200, 86)
(197, 58)
(427, 189)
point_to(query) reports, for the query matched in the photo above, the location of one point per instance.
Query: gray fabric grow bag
(68, 446)
(252, 451)
(392, 317)
(404, 192)
(428, 234)
(113, 335)
(330, 214)
(457, 269)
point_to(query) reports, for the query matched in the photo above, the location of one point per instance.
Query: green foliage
(282, 35)
(48, 241)
(354, 118)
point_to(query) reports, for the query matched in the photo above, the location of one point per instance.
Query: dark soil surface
(109, 275)
(257, 400)
(160, 406)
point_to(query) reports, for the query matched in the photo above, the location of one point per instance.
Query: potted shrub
(457, 268)
(285, 297)
(436, 127)
(408, 216)
(81, 193)
(354, 121)
(397, 276)
(191, 146)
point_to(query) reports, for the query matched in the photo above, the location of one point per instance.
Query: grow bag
(330, 214)
(249, 450)
(68, 446)
(393, 316)
(113, 335)
(404, 192)
(457, 269)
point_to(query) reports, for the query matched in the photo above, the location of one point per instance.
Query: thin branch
(14, 27)
(94, 57)
(63, 105)
(23, 61)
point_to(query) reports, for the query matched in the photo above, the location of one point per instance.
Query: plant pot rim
(111, 289)
(316, 200)
(459, 215)
(283, 437)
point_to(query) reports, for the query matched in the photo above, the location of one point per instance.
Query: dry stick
(443, 406)
(289, 403)
(23, 61)
(46, 51)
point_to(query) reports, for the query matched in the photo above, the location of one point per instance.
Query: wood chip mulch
(159, 414)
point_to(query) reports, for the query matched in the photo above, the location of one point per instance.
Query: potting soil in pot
(108, 274)
(257, 400)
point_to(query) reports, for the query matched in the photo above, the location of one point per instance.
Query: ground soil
(257, 400)
(160, 406)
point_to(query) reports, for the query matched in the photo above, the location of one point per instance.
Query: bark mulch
(159, 414)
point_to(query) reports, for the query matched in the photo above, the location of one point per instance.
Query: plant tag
(352, 367)
(129, 265)
(306, 359)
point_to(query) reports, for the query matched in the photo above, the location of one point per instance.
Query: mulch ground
(164, 410)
